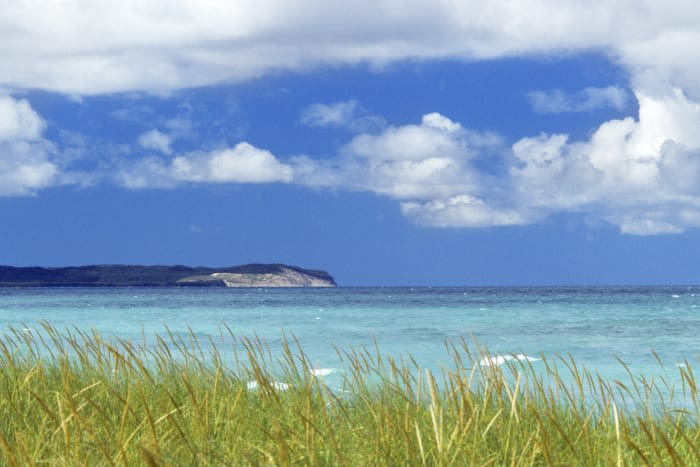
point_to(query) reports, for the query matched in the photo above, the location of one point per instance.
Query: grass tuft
(74, 398)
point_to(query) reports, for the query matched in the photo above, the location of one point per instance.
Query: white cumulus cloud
(464, 211)
(639, 174)
(18, 121)
(25, 167)
(429, 167)
(243, 163)
(410, 162)
(26, 164)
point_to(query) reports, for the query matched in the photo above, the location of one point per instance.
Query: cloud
(464, 211)
(26, 164)
(18, 121)
(157, 141)
(243, 163)
(160, 141)
(180, 127)
(345, 114)
(325, 115)
(430, 160)
(588, 99)
(421, 161)
(641, 175)
(67, 47)
(436, 136)
(430, 168)
(25, 167)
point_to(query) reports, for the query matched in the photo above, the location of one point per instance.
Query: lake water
(592, 324)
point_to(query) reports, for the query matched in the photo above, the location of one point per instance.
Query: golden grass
(74, 398)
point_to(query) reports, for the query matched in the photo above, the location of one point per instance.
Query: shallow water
(591, 324)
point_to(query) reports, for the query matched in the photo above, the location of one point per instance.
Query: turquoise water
(593, 325)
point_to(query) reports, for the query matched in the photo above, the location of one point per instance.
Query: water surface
(591, 324)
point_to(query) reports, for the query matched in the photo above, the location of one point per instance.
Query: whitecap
(675, 296)
(499, 360)
(278, 386)
(323, 371)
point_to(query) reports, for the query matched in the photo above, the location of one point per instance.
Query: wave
(280, 386)
(499, 360)
(277, 385)
(323, 371)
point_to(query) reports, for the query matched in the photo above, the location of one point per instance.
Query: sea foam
(323, 371)
(499, 360)
(253, 386)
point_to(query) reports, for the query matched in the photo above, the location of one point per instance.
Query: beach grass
(75, 398)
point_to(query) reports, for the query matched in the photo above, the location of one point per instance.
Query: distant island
(107, 275)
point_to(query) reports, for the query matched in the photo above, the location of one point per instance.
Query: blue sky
(440, 143)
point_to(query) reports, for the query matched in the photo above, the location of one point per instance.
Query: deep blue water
(592, 324)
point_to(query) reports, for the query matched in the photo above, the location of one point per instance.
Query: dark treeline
(128, 275)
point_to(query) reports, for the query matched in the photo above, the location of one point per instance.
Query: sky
(532, 142)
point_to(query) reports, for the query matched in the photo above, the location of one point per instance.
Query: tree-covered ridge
(116, 275)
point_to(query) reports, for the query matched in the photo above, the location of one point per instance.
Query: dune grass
(74, 398)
